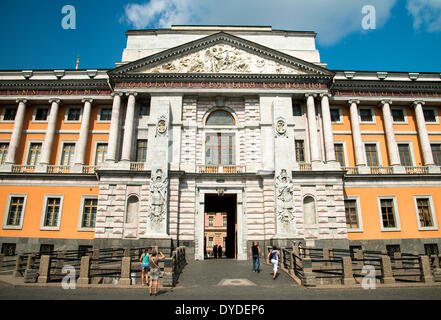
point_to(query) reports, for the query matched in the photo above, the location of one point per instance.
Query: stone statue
(158, 192)
(285, 198)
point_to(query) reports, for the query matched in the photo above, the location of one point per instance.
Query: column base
(398, 170)
(77, 168)
(364, 170)
(6, 167)
(41, 168)
(318, 166)
(433, 169)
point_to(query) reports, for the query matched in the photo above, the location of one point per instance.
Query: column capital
(357, 102)
(385, 101)
(87, 100)
(417, 102)
(310, 94)
(117, 94)
(132, 93)
(21, 100)
(327, 94)
(56, 100)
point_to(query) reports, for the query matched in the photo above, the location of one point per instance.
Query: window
(436, 152)
(141, 151)
(424, 212)
(53, 210)
(224, 220)
(16, 205)
(8, 249)
(404, 151)
(101, 153)
(392, 248)
(296, 110)
(339, 153)
(73, 114)
(41, 114)
(220, 118)
(388, 213)
(144, 108)
(398, 115)
(431, 249)
(34, 153)
(219, 149)
(9, 114)
(105, 114)
(335, 114)
(67, 154)
(3, 151)
(429, 115)
(371, 154)
(210, 221)
(210, 242)
(351, 214)
(366, 115)
(309, 214)
(300, 151)
(89, 213)
(46, 249)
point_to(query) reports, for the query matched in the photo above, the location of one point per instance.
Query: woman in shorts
(155, 271)
(145, 267)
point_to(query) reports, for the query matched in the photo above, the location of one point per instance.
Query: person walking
(219, 252)
(255, 256)
(145, 267)
(273, 257)
(300, 250)
(155, 271)
(215, 251)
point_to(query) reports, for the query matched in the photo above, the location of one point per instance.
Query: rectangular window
(41, 114)
(424, 212)
(296, 110)
(431, 249)
(46, 249)
(224, 220)
(9, 114)
(101, 153)
(15, 211)
(53, 206)
(73, 114)
(210, 242)
(3, 151)
(371, 154)
(144, 108)
(404, 151)
(335, 115)
(105, 114)
(388, 213)
(8, 249)
(67, 156)
(219, 149)
(436, 152)
(429, 115)
(351, 214)
(366, 115)
(210, 221)
(141, 151)
(34, 153)
(398, 115)
(89, 213)
(300, 151)
(392, 248)
(339, 153)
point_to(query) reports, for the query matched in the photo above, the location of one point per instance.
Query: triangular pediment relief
(220, 53)
(221, 58)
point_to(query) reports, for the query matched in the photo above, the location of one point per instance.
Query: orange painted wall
(370, 212)
(34, 210)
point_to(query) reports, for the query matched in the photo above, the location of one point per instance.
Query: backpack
(272, 255)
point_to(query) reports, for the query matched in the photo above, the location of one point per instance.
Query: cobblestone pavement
(202, 280)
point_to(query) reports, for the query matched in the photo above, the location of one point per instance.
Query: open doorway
(220, 227)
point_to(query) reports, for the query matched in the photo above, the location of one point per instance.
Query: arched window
(132, 209)
(309, 210)
(220, 118)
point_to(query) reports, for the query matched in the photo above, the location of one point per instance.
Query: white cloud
(425, 13)
(331, 19)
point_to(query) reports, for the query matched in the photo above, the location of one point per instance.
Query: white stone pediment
(221, 58)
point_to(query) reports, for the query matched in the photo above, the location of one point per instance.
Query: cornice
(52, 84)
(385, 86)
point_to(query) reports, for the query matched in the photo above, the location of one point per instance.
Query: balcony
(389, 170)
(381, 170)
(23, 168)
(221, 169)
(350, 170)
(136, 166)
(58, 169)
(303, 166)
(416, 170)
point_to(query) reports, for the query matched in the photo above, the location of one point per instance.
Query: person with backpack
(155, 270)
(273, 257)
(145, 267)
(255, 256)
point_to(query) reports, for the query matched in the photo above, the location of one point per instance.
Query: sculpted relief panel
(222, 58)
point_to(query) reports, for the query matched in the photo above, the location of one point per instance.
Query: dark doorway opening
(221, 224)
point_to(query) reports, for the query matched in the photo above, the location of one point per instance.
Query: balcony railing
(381, 170)
(136, 166)
(350, 170)
(89, 169)
(303, 166)
(416, 170)
(58, 169)
(23, 168)
(221, 169)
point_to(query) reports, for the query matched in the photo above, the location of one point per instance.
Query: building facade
(244, 121)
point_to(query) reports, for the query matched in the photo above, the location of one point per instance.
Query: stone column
(50, 134)
(80, 148)
(128, 128)
(327, 129)
(392, 147)
(360, 154)
(16, 132)
(114, 127)
(424, 136)
(314, 142)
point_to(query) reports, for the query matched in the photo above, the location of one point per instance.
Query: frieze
(64, 92)
(386, 94)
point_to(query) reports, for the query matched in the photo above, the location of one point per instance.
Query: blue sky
(407, 35)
